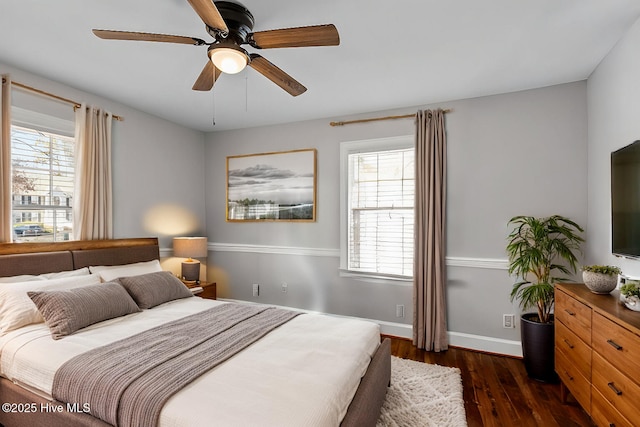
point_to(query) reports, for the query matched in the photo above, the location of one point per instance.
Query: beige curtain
(92, 207)
(430, 319)
(6, 234)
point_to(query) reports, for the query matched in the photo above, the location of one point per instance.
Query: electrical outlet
(509, 321)
(256, 290)
(400, 310)
(285, 287)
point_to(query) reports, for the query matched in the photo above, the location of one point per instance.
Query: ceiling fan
(231, 25)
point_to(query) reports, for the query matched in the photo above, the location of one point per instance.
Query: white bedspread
(304, 373)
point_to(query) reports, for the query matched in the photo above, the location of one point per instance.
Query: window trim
(42, 122)
(355, 147)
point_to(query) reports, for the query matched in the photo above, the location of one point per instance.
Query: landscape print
(272, 186)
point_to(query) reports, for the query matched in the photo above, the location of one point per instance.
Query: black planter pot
(538, 341)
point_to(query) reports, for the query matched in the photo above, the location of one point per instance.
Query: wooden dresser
(597, 354)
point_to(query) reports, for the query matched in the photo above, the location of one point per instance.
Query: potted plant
(600, 279)
(539, 249)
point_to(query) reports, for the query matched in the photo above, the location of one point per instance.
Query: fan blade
(316, 35)
(147, 37)
(209, 13)
(276, 75)
(207, 77)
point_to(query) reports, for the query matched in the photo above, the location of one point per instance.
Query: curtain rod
(51, 95)
(406, 116)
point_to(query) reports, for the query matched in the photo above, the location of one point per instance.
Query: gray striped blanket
(126, 383)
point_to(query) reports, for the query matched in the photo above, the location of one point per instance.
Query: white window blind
(42, 184)
(381, 212)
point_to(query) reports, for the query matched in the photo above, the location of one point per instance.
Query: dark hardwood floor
(497, 391)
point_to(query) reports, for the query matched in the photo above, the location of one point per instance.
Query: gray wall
(518, 153)
(157, 165)
(614, 106)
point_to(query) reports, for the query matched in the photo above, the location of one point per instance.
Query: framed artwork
(277, 186)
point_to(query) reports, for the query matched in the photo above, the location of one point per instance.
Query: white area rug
(423, 395)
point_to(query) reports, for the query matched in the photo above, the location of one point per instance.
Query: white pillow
(22, 278)
(109, 273)
(72, 273)
(17, 309)
(46, 276)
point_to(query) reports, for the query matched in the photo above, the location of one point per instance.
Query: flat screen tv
(625, 201)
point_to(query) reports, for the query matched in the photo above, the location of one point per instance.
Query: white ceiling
(392, 54)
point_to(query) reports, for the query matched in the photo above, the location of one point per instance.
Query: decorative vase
(632, 302)
(599, 283)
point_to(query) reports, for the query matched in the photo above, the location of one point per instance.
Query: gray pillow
(149, 290)
(66, 311)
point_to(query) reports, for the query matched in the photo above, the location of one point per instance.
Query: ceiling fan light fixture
(229, 60)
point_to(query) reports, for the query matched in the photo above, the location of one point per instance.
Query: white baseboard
(402, 330)
(486, 344)
(458, 339)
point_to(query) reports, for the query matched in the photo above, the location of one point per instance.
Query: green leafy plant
(610, 270)
(538, 249)
(630, 289)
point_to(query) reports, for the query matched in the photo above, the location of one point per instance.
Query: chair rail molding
(270, 249)
(488, 263)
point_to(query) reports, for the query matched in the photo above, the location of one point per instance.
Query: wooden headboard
(38, 258)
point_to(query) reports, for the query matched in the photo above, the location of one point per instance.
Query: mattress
(303, 373)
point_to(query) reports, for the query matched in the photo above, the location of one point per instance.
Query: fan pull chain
(246, 93)
(213, 108)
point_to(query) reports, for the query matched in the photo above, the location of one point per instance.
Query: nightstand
(203, 289)
(208, 290)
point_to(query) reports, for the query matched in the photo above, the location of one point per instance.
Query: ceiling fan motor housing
(238, 19)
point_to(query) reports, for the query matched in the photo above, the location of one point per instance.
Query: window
(378, 189)
(42, 184)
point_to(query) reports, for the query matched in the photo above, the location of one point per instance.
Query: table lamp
(190, 247)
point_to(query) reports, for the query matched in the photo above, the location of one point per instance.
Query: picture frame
(274, 186)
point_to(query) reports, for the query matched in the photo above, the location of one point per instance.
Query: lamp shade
(190, 247)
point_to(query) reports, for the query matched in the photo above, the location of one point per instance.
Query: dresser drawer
(571, 377)
(617, 345)
(575, 315)
(605, 415)
(616, 388)
(576, 351)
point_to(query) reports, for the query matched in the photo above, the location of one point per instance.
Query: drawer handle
(614, 388)
(568, 343)
(570, 313)
(568, 375)
(614, 344)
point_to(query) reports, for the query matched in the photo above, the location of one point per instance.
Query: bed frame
(37, 258)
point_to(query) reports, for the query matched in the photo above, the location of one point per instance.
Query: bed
(308, 370)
